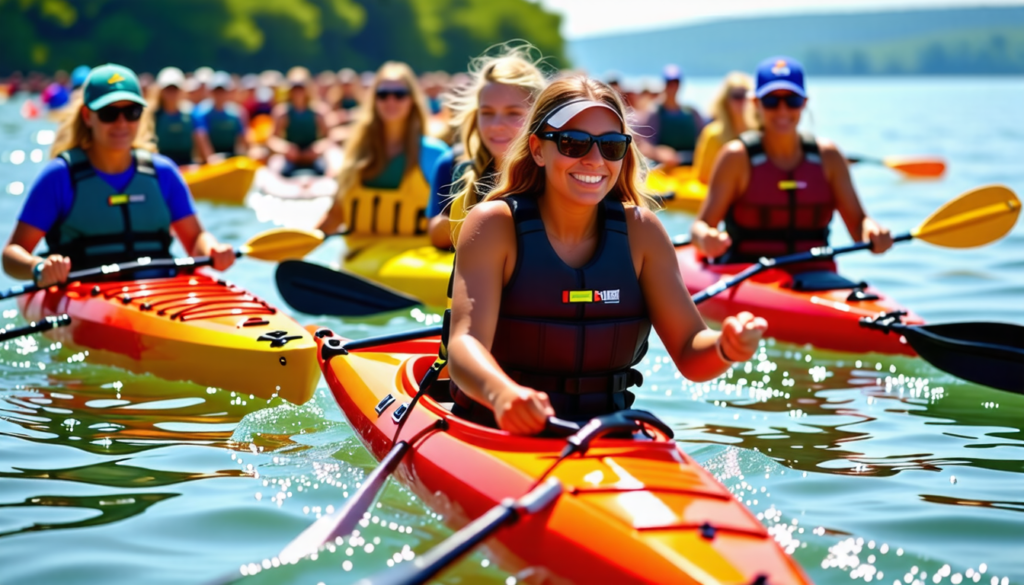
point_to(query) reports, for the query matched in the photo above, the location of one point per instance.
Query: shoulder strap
(614, 214)
(810, 145)
(144, 162)
(752, 140)
(525, 214)
(79, 166)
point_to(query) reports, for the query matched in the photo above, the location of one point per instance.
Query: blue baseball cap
(780, 73)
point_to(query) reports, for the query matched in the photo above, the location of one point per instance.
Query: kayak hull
(632, 511)
(407, 264)
(825, 319)
(678, 189)
(187, 327)
(225, 182)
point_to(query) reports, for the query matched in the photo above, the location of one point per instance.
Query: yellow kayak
(227, 181)
(679, 189)
(407, 264)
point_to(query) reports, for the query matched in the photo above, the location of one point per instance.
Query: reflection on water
(866, 467)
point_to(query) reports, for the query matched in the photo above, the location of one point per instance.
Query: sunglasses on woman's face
(738, 94)
(398, 94)
(110, 114)
(793, 101)
(576, 143)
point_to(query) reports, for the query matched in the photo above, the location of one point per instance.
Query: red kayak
(823, 311)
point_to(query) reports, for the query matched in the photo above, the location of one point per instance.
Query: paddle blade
(978, 217)
(916, 166)
(991, 354)
(280, 244)
(318, 290)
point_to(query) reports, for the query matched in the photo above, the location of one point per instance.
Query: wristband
(721, 351)
(37, 271)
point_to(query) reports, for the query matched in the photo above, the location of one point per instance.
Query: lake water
(867, 466)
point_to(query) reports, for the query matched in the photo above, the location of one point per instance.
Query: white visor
(561, 115)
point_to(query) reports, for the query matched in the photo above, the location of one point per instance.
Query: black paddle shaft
(35, 327)
(819, 253)
(114, 269)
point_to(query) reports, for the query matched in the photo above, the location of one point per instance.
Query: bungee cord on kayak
(769, 431)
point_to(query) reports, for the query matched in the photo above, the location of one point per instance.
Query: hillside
(978, 41)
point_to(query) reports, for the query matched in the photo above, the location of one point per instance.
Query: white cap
(561, 115)
(169, 76)
(221, 79)
(203, 74)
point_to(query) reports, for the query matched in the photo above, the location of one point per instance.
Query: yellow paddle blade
(978, 217)
(280, 244)
(916, 166)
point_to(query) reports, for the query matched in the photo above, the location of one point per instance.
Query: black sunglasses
(398, 94)
(737, 94)
(772, 101)
(110, 114)
(576, 144)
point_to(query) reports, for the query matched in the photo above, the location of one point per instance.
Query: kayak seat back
(818, 280)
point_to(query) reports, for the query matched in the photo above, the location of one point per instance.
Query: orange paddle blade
(916, 166)
(978, 217)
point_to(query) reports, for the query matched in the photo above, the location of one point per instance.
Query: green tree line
(253, 35)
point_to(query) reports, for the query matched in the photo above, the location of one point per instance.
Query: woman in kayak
(776, 189)
(106, 197)
(298, 127)
(383, 187)
(177, 134)
(562, 271)
(488, 114)
(734, 115)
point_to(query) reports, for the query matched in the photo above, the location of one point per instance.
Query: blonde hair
(365, 150)
(74, 133)
(520, 175)
(513, 65)
(720, 105)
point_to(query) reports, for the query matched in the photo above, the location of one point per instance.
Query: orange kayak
(188, 327)
(827, 318)
(633, 511)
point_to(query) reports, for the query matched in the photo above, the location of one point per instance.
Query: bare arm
(488, 241)
(440, 231)
(202, 141)
(729, 178)
(199, 242)
(19, 259)
(862, 227)
(692, 346)
(276, 142)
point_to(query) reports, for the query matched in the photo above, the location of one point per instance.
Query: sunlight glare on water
(866, 467)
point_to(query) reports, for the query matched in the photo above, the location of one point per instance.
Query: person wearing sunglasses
(299, 129)
(670, 132)
(777, 189)
(177, 134)
(383, 188)
(733, 115)
(563, 269)
(106, 197)
(487, 115)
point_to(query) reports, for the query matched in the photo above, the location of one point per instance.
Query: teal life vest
(174, 136)
(106, 226)
(223, 128)
(301, 129)
(678, 130)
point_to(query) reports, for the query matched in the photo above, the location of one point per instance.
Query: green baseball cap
(111, 83)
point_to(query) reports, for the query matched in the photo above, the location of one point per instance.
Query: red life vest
(781, 212)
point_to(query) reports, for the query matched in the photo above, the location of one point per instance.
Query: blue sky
(584, 18)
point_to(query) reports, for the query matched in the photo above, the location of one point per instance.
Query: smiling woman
(563, 270)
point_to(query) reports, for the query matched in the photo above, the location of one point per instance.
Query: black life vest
(781, 212)
(573, 333)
